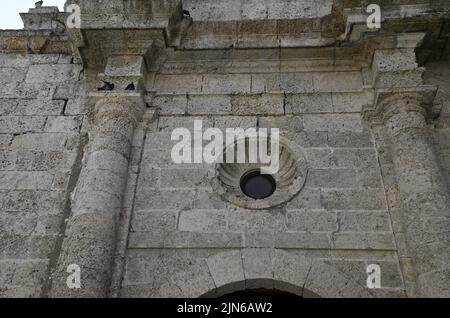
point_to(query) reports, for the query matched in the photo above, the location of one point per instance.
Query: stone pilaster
(91, 232)
(424, 198)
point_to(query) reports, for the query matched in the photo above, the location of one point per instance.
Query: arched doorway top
(274, 269)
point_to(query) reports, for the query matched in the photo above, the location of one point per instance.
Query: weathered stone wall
(40, 141)
(180, 228)
(103, 193)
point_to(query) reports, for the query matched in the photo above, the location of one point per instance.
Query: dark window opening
(257, 186)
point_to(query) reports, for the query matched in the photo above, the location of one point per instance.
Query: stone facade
(87, 178)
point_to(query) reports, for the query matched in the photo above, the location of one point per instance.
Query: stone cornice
(149, 27)
(36, 42)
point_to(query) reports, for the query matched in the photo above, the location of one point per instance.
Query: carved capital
(389, 102)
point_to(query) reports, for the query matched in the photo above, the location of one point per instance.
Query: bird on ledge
(39, 4)
(107, 87)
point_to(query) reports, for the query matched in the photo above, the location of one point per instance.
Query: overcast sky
(9, 12)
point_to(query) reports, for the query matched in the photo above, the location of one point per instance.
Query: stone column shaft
(423, 193)
(91, 231)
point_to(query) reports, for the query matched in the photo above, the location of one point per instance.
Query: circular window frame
(231, 191)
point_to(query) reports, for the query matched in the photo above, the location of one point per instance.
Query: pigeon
(39, 4)
(107, 87)
(130, 87)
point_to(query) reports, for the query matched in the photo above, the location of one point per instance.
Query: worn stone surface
(87, 177)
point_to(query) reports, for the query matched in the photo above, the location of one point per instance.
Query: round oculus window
(257, 186)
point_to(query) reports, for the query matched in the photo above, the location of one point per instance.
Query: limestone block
(154, 220)
(227, 268)
(302, 240)
(308, 198)
(349, 139)
(351, 102)
(38, 107)
(23, 272)
(146, 239)
(252, 223)
(354, 158)
(399, 78)
(325, 280)
(27, 246)
(345, 178)
(9, 74)
(378, 241)
(213, 10)
(186, 178)
(434, 283)
(290, 271)
(196, 281)
(14, 60)
(157, 149)
(206, 199)
(57, 124)
(149, 176)
(297, 10)
(42, 202)
(259, 239)
(394, 60)
(168, 124)
(262, 83)
(8, 160)
(256, 34)
(25, 180)
(167, 199)
(254, 10)
(170, 104)
(264, 104)
(123, 65)
(224, 122)
(178, 83)
(46, 141)
(337, 81)
(354, 269)
(21, 291)
(338, 122)
(286, 124)
(364, 221)
(53, 74)
(215, 240)
(203, 221)
(258, 267)
(353, 199)
(229, 83)
(208, 104)
(18, 125)
(307, 220)
(308, 103)
(296, 82)
(17, 223)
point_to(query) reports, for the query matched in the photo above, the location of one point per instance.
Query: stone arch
(253, 268)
